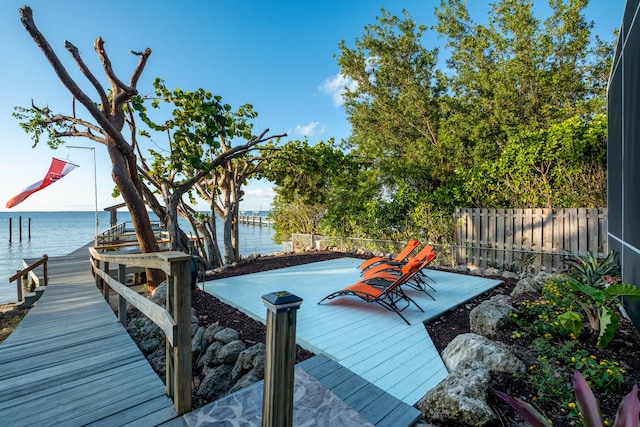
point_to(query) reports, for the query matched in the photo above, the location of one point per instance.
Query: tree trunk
(139, 215)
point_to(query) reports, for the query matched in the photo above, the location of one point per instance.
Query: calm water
(59, 233)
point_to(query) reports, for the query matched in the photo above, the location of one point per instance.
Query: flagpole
(95, 181)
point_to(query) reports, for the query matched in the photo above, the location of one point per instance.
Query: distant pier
(255, 219)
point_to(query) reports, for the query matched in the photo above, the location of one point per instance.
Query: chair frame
(373, 290)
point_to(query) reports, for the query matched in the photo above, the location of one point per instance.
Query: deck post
(105, 286)
(122, 302)
(277, 402)
(45, 269)
(19, 283)
(179, 375)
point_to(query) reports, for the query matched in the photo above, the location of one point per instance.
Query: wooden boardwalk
(70, 363)
(367, 339)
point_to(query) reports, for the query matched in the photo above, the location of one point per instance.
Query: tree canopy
(508, 113)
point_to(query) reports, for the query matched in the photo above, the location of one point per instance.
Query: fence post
(277, 402)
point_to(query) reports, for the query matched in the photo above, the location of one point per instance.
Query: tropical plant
(627, 415)
(592, 271)
(600, 312)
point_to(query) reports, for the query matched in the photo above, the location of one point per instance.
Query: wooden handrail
(25, 271)
(174, 320)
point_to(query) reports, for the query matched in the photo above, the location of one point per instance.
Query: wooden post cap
(281, 301)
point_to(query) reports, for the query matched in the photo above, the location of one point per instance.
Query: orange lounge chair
(395, 265)
(418, 281)
(381, 291)
(401, 256)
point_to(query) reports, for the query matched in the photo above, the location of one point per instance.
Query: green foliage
(591, 271)
(39, 122)
(560, 166)
(627, 415)
(516, 120)
(294, 216)
(598, 307)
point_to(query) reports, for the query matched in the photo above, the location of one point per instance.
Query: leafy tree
(518, 73)
(395, 108)
(514, 120)
(201, 158)
(105, 126)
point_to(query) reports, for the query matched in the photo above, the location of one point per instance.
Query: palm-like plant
(592, 271)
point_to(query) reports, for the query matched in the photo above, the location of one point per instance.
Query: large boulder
(461, 398)
(207, 360)
(490, 316)
(466, 349)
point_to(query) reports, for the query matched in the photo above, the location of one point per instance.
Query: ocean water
(60, 233)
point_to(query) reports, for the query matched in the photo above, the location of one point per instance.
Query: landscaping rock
(216, 383)
(525, 286)
(198, 343)
(226, 335)
(467, 348)
(207, 361)
(250, 359)
(210, 333)
(229, 352)
(490, 316)
(510, 275)
(460, 399)
(491, 271)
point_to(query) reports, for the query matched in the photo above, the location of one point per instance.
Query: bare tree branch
(116, 84)
(88, 74)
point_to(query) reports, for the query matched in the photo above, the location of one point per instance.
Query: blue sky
(278, 56)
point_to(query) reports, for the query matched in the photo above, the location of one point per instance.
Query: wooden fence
(528, 239)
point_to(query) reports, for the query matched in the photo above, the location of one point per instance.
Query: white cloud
(335, 86)
(310, 129)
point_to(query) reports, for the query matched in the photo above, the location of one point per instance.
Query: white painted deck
(368, 339)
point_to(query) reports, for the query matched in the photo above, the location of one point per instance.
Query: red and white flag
(58, 169)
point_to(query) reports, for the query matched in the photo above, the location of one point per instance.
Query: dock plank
(69, 362)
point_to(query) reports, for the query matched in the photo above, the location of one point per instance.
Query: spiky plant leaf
(526, 411)
(589, 407)
(629, 410)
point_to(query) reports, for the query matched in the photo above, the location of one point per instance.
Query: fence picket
(529, 236)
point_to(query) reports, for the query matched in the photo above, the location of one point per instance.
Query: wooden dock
(257, 220)
(69, 362)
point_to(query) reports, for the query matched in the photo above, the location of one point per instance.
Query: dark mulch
(625, 348)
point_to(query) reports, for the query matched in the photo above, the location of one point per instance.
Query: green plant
(540, 317)
(591, 271)
(604, 374)
(603, 320)
(627, 415)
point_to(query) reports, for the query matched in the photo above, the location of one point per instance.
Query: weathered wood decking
(70, 362)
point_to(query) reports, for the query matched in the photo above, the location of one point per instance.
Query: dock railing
(122, 237)
(174, 320)
(22, 275)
